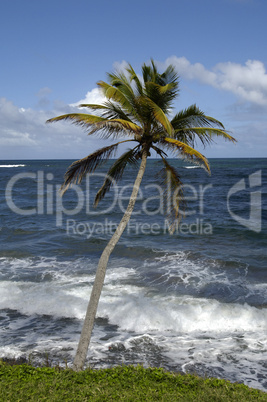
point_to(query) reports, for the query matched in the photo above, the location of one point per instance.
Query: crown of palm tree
(140, 108)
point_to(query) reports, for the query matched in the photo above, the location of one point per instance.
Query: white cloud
(94, 96)
(12, 137)
(248, 82)
(191, 71)
(24, 134)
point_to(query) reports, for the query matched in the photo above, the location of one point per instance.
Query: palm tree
(138, 108)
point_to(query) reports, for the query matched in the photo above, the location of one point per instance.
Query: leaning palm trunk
(101, 272)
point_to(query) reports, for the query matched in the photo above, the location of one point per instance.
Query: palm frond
(93, 106)
(170, 76)
(159, 115)
(78, 169)
(161, 88)
(173, 195)
(120, 81)
(159, 151)
(114, 93)
(187, 152)
(116, 111)
(134, 77)
(162, 96)
(116, 127)
(148, 72)
(108, 109)
(123, 95)
(193, 116)
(205, 134)
(81, 119)
(116, 171)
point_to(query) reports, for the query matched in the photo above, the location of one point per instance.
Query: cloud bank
(24, 134)
(248, 82)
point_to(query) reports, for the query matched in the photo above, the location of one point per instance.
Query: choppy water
(195, 301)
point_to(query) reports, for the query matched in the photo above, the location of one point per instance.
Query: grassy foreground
(127, 383)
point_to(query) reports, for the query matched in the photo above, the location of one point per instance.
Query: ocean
(194, 301)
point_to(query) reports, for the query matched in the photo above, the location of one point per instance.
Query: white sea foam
(133, 310)
(130, 307)
(187, 332)
(11, 166)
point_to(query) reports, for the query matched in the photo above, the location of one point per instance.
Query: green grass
(127, 383)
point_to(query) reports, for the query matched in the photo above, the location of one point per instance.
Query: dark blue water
(194, 301)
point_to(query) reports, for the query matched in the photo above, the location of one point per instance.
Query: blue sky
(54, 52)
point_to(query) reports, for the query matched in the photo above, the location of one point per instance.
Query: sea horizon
(150, 158)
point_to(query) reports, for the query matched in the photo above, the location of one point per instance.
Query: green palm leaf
(159, 115)
(193, 116)
(123, 83)
(78, 169)
(81, 119)
(116, 171)
(93, 106)
(162, 89)
(134, 77)
(173, 194)
(187, 152)
(109, 110)
(205, 134)
(116, 127)
(117, 94)
(170, 76)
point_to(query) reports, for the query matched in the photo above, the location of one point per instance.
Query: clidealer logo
(152, 201)
(244, 204)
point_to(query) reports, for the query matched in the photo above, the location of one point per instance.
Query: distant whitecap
(11, 166)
